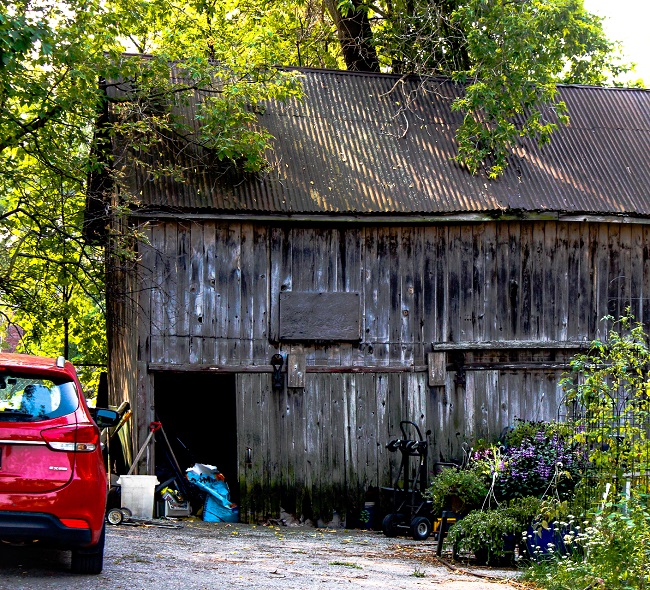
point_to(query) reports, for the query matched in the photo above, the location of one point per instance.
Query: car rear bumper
(30, 526)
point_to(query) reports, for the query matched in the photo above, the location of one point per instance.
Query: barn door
(198, 413)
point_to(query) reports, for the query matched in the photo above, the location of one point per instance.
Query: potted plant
(549, 528)
(488, 534)
(535, 457)
(459, 490)
(492, 535)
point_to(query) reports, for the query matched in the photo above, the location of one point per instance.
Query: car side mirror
(106, 418)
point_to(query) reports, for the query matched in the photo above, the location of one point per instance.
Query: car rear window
(29, 398)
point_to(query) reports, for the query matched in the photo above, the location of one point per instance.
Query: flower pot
(485, 557)
(368, 516)
(542, 542)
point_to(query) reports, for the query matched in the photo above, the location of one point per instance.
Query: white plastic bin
(138, 493)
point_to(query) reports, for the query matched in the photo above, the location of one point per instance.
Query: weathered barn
(394, 285)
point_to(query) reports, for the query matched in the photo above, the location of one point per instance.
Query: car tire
(420, 528)
(390, 523)
(89, 560)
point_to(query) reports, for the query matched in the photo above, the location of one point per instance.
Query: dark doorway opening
(199, 415)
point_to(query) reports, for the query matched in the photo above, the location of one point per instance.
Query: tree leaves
(509, 55)
(52, 59)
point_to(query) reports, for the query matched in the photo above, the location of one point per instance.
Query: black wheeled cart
(411, 512)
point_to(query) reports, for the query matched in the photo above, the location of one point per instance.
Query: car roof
(30, 363)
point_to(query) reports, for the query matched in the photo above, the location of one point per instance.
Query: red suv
(52, 475)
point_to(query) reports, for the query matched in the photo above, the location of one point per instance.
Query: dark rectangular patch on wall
(319, 316)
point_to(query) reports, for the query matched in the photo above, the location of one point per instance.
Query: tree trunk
(355, 37)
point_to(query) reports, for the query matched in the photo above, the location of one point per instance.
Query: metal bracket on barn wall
(277, 381)
(458, 360)
(296, 370)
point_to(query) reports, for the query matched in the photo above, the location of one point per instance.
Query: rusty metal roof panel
(379, 144)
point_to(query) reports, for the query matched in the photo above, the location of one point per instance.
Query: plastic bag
(218, 507)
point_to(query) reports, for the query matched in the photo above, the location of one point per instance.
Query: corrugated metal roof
(378, 144)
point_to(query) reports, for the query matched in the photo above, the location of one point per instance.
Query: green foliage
(610, 386)
(612, 551)
(526, 430)
(346, 564)
(537, 459)
(509, 55)
(418, 573)
(518, 52)
(51, 281)
(52, 59)
(467, 486)
(487, 532)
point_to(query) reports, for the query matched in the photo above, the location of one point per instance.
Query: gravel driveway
(206, 556)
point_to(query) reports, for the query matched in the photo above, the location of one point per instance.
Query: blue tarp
(218, 507)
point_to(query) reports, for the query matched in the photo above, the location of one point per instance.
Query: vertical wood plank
(616, 280)
(644, 315)
(478, 282)
(261, 295)
(159, 269)
(383, 287)
(394, 303)
(636, 271)
(526, 237)
(573, 281)
(195, 292)
(467, 317)
(550, 307)
(232, 257)
(209, 293)
(280, 260)
(490, 296)
(603, 276)
(453, 296)
(624, 231)
(417, 308)
(503, 307)
(381, 388)
(247, 293)
(563, 310)
(442, 293)
(407, 311)
(352, 244)
(514, 281)
(538, 287)
(429, 305)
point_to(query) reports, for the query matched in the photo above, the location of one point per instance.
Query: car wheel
(89, 560)
(420, 528)
(390, 523)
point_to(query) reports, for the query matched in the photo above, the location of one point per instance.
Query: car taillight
(84, 438)
(75, 523)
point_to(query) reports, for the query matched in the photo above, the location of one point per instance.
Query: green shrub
(483, 533)
(492, 534)
(468, 486)
(614, 552)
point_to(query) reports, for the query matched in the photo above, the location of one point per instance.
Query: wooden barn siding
(320, 450)
(213, 291)
(215, 296)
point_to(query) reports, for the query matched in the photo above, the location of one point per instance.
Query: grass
(418, 573)
(346, 564)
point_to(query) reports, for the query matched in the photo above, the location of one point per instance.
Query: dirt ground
(205, 556)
